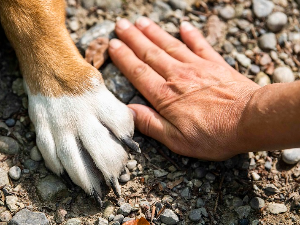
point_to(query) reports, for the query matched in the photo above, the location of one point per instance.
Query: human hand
(198, 98)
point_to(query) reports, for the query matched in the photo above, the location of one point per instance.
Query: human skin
(203, 108)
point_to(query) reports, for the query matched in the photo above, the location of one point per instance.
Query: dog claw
(114, 183)
(97, 198)
(130, 143)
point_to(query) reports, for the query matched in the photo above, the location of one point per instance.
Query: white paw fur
(82, 134)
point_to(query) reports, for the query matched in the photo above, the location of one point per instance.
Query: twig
(219, 191)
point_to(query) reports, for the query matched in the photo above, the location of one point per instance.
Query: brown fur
(49, 60)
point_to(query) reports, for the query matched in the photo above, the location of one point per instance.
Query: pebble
(265, 60)
(117, 83)
(255, 176)
(126, 219)
(10, 122)
(262, 8)
(227, 12)
(271, 189)
(160, 173)
(228, 47)
(73, 221)
(162, 8)
(5, 216)
(101, 221)
(12, 106)
(262, 79)
(11, 202)
(199, 203)
(15, 172)
(3, 178)
(131, 164)
(169, 217)
(186, 193)
(125, 209)
(124, 178)
(254, 69)
(243, 211)
(267, 41)
(50, 188)
(26, 217)
(243, 60)
(276, 208)
(30, 164)
(119, 218)
(17, 87)
(230, 60)
(200, 172)
(35, 154)
(243, 24)
(268, 165)
(291, 156)
(276, 21)
(283, 74)
(257, 203)
(195, 215)
(108, 210)
(178, 4)
(74, 24)
(210, 176)
(8, 145)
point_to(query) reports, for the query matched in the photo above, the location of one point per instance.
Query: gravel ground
(260, 38)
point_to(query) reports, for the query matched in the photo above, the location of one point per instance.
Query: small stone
(73, 221)
(230, 60)
(60, 215)
(210, 176)
(200, 172)
(283, 75)
(17, 87)
(262, 8)
(15, 172)
(126, 219)
(119, 218)
(124, 178)
(5, 216)
(276, 208)
(30, 164)
(11, 201)
(3, 178)
(10, 122)
(169, 217)
(50, 188)
(262, 79)
(199, 203)
(101, 221)
(267, 41)
(243, 24)
(276, 21)
(131, 164)
(254, 69)
(268, 165)
(255, 176)
(274, 55)
(74, 24)
(271, 188)
(26, 217)
(195, 215)
(8, 145)
(108, 210)
(163, 9)
(35, 154)
(178, 4)
(125, 209)
(243, 211)
(227, 12)
(228, 47)
(160, 173)
(243, 60)
(186, 193)
(265, 60)
(291, 156)
(257, 203)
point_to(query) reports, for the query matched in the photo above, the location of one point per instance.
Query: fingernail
(123, 24)
(186, 26)
(133, 113)
(115, 44)
(143, 22)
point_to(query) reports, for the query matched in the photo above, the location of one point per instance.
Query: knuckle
(151, 55)
(140, 69)
(174, 46)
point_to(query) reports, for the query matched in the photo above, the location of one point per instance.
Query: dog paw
(85, 136)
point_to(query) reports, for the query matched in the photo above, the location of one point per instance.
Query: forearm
(271, 119)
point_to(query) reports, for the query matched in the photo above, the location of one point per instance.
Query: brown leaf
(141, 221)
(96, 53)
(215, 29)
(171, 185)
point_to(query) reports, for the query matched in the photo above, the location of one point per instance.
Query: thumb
(150, 123)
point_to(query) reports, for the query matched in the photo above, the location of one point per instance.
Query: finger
(197, 43)
(148, 52)
(150, 123)
(146, 80)
(165, 41)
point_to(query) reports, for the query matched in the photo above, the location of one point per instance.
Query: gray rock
(267, 41)
(276, 21)
(169, 217)
(283, 75)
(101, 221)
(30, 164)
(5, 216)
(243, 60)
(227, 12)
(268, 165)
(110, 5)
(271, 189)
(262, 8)
(8, 145)
(10, 122)
(14, 173)
(117, 83)
(276, 208)
(210, 176)
(124, 178)
(131, 164)
(230, 60)
(186, 193)
(74, 24)
(35, 154)
(119, 218)
(254, 69)
(17, 87)
(11, 105)
(125, 209)
(4, 127)
(126, 219)
(26, 217)
(103, 29)
(3, 178)
(178, 4)
(200, 172)
(163, 9)
(228, 47)
(257, 203)
(73, 221)
(11, 202)
(50, 188)
(244, 24)
(195, 215)
(160, 173)
(243, 211)
(262, 79)
(291, 156)
(199, 203)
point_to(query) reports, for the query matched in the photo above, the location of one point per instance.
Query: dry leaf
(141, 221)
(215, 29)
(171, 185)
(96, 53)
